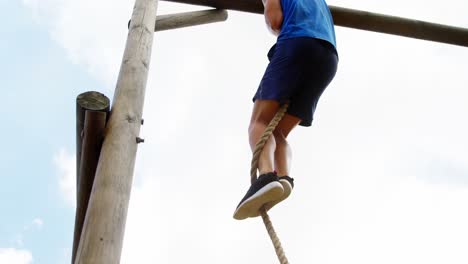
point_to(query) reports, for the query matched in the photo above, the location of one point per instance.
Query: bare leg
(268, 190)
(283, 151)
(263, 112)
(282, 156)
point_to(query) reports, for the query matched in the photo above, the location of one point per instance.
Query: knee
(280, 137)
(257, 124)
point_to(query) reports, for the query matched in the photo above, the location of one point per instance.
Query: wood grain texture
(93, 135)
(94, 101)
(187, 19)
(104, 226)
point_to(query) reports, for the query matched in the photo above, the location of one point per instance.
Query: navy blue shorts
(299, 71)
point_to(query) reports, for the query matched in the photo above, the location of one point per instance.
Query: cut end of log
(92, 100)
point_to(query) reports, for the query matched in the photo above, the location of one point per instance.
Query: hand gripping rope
(253, 177)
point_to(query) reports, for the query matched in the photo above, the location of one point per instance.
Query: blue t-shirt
(307, 18)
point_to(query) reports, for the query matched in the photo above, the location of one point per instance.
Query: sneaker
(288, 184)
(264, 190)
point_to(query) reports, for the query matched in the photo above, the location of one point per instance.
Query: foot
(288, 184)
(264, 190)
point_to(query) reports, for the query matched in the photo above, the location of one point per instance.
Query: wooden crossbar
(363, 20)
(187, 19)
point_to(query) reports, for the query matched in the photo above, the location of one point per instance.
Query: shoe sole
(251, 206)
(287, 189)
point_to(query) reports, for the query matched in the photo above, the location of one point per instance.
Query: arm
(273, 15)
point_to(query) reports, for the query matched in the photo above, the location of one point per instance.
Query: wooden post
(93, 101)
(92, 109)
(104, 226)
(93, 135)
(363, 20)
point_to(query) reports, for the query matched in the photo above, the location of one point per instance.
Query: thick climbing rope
(253, 177)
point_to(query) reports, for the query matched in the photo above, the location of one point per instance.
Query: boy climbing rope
(302, 64)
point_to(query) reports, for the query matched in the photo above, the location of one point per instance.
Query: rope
(253, 176)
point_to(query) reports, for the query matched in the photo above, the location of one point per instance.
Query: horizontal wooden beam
(187, 19)
(252, 6)
(363, 20)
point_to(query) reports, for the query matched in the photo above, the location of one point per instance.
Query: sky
(381, 176)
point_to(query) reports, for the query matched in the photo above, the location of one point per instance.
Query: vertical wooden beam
(93, 101)
(103, 231)
(92, 109)
(93, 135)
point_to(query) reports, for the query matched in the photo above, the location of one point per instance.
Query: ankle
(264, 172)
(267, 173)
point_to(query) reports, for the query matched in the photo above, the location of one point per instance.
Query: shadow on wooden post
(92, 110)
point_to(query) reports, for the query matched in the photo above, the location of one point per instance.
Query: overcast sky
(381, 176)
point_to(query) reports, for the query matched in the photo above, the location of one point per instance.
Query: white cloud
(144, 225)
(19, 240)
(92, 40)
(15, 256)
(38, 223)
(65, 164)
(39, 8)
(357, 187)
